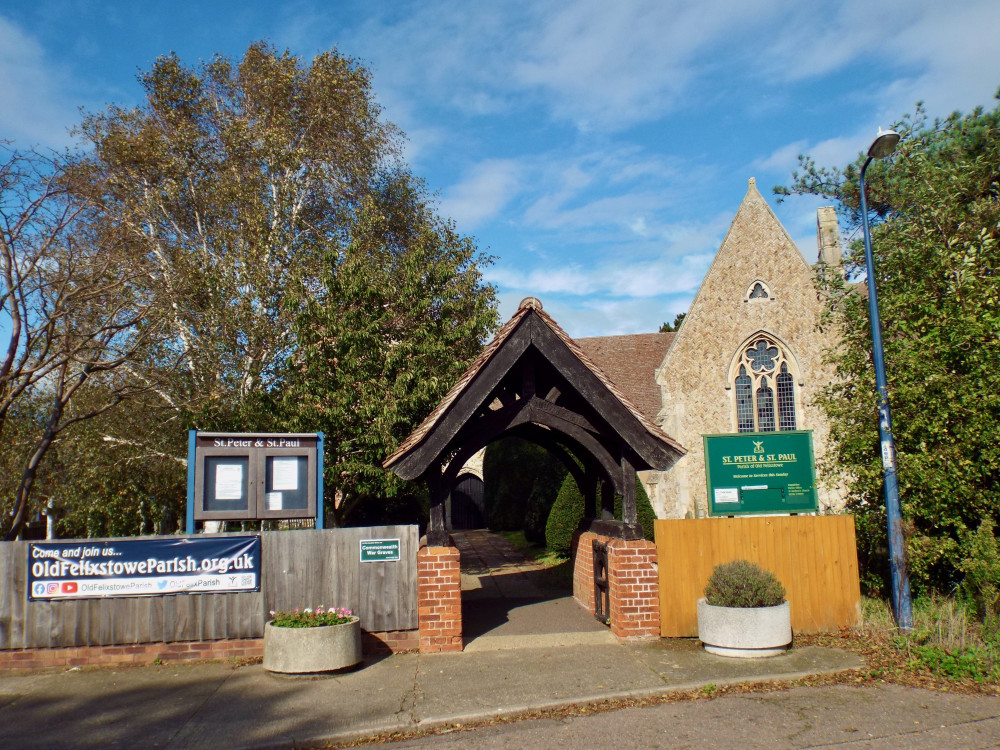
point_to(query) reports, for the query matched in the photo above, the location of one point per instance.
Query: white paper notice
(274, 501)
(727, 495)
(285, 474)
(228, 481)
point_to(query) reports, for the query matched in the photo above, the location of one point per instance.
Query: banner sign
(143, 567)
(760, 472)
(379, 550)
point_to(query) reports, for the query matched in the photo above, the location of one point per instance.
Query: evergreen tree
(936, 211)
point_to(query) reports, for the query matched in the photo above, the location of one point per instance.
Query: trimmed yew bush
(567, 512)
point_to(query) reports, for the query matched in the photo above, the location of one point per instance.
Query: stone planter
(744, 631)
(304, 650)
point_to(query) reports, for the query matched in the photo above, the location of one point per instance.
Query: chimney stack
(828, 236)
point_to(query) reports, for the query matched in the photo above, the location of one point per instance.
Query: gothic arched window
(765, 388)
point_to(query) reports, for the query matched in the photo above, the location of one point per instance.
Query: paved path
(214, 706)
(511, 602)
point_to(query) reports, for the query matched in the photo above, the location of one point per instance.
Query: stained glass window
(765, 388)
(744, 402)
(786, 398)
(765, 408)
(758, 292)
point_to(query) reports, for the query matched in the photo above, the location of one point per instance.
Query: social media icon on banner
(69, 587)
(51, 588)
(39, 589)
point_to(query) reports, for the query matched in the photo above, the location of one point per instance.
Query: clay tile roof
(526, 307)
(631, 363)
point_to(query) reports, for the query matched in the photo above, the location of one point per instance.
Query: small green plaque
(379, 550)
(760, 472)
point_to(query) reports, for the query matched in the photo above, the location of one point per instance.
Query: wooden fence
(814, 557)
(298, 569)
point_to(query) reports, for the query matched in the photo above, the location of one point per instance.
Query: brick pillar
(635, 590)
(439, 599)
(583, 568)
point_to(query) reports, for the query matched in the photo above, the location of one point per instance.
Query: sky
(598, 151)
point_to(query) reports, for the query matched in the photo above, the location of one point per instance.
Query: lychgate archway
(532, 380)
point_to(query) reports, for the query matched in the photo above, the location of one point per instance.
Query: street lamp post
(902, 605)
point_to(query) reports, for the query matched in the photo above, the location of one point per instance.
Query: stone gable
(695, 377)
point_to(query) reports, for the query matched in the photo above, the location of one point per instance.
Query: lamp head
(884, 144)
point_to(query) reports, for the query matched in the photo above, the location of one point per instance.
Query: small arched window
(765, 388)
(757, 290)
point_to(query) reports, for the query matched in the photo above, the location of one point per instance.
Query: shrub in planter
(744, 612)
(312, 640)
(742, 583)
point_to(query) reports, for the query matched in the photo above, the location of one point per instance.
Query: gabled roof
(499, 357)
(631, 362)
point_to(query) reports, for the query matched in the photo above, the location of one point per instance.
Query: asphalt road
(814, 717)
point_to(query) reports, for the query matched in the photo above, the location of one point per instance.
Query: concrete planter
(304, 650)
(744, 631)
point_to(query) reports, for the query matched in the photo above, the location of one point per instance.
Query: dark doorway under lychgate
(468, 504)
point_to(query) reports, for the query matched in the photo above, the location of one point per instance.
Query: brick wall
(394, 641)
(439, 599)
(633, 584)
(140, 653)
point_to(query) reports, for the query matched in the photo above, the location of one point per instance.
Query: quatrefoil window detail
(762, 356)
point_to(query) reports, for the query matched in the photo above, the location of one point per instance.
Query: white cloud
(35, 108)
(481, 195)
(674, 269)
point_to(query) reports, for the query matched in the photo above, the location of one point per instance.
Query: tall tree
(310, 283)
(232, 181)
(936, 206)
(401, 312)
(72, 297)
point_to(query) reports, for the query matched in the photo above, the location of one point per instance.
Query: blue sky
(598, 150)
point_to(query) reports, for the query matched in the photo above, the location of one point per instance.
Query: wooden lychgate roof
(532, 373)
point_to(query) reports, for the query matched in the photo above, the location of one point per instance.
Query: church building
(748, 356)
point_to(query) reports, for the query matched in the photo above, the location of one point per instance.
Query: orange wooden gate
(814, 557)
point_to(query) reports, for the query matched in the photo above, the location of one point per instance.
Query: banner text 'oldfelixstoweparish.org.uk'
(143, 567)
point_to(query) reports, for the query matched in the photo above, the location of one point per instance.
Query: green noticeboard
(379, 550)
(760, 472)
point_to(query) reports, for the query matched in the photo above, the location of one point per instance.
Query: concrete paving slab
(208, 706)
(684, 664)
(488, 683)
(520, 616)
